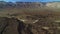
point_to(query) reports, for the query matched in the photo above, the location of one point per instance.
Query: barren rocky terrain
(28, 18)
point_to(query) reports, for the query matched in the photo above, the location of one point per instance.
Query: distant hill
(53, 5)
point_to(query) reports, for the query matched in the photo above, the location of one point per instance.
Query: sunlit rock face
(53, 5)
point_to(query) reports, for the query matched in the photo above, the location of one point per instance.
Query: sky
(30, 0)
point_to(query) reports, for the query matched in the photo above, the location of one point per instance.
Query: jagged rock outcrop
(8, 25)
(15, 26)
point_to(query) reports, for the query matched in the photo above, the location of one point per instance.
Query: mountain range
(4, 4)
